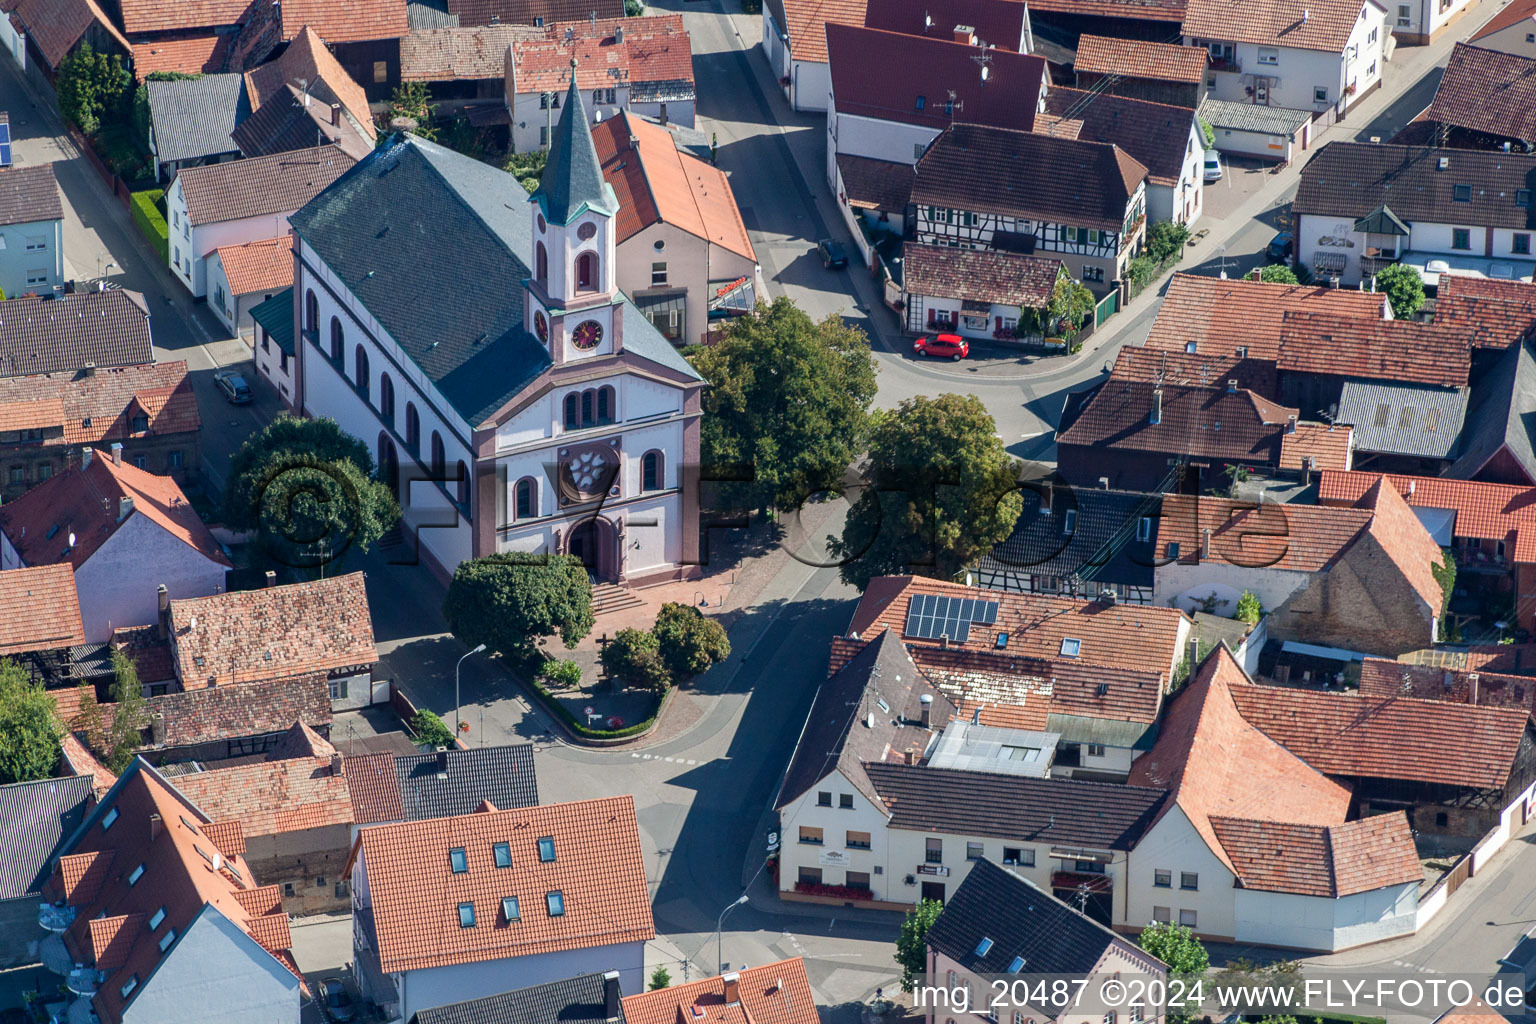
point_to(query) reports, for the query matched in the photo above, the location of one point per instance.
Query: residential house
(584, 999)
(242, 201)
(795, 43)
(471, 13)
(1160, 72)
(1484, 101)
(153, 899)
(684, 256)
(976, 293)
(1175, 366)
(993, 188)
(242, 277)
(553, 366)
(39, 610)
(39, 34)
(272, 342)
(37, 817)
(771, 993)
(1491, 314)
(1511, 30)
(1497, 444)
(444, 783)
(195, 55)
(993, 24)
(191, 121)
(890, 94)
(1247, 129)
(302, 99)
(364, 37)
(1320, 354)
(1481, 523)
(121, 529)
(1455, 769)
(149, 410)
(295, 815)
(645, 67)
(1166, 139)
(1380, 677)
(82, 331)
(465, 67)
(276, 632)
(455, 908)
(1322, 58)
(1359, 578)
(1153, 20)
(1000, 923)
(1208, 861)
(31, 226)
(1078, 542)
(1361, 206)
(1418, 22)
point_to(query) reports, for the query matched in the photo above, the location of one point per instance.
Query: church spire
(573, 176)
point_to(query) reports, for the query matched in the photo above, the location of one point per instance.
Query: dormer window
(457, 860)
(547, 850)
(510, 910)
(1071, 647)
(555, 901)
(1461, 193)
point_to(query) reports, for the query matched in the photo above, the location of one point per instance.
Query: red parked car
(943, 346)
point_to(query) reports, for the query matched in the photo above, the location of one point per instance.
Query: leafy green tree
(635, 655)
(129, 714)
(1248, 608)
(788, 404)
(306, 487)
(90, 721)
(412, 100)
(510, 600)
(1176, 946)
(688, 642)
(660, 978)
(912, 945)
(1404, 289)
(463, 137)
(91, 86)
(429, 729)
(527, 168)
(29, 730)
(561, 673)
(633, 8)
(1165, 241)
(1278, 273)
(941, 491)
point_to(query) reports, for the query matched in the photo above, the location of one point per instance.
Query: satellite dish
(985, 72)
(71, 539)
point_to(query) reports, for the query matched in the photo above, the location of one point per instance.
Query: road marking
(633, 754)
(669, 760)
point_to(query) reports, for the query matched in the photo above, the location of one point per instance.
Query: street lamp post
(720, 933)
(456, 666)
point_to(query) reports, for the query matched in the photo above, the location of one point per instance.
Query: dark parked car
(1280, 247)
(338, 1004)
(943, 346)
(833, 255)
(234, 386)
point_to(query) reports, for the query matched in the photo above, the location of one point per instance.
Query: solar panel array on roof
(930, 616)
(5, 144)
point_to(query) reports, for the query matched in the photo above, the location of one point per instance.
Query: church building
(475, 337)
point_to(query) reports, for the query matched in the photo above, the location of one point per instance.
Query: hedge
(581, 729)
(144, 207)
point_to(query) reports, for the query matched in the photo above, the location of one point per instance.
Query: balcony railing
(1229, 63)
(1370, 265)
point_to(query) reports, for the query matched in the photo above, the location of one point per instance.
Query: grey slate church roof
(437, 246)
(573, 177)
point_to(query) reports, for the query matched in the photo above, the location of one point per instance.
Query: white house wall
(192, 243)
(836, 822)
(810, 82)
(14, 42)
(687, 258)
(1518, 39)
(1187, 584)
(1174, 845)
(1321, 923)
(855, 135)
(117, 583)
(1297, 72)
(1423, 237)
(19, 265)
(439, 986)
(215, 971)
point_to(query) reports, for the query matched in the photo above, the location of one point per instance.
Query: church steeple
(573, 176)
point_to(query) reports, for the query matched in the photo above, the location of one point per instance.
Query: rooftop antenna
(954, 105)
(983, 60)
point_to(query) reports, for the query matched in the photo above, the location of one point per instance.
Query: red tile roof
(1326, 445)
(1489, 312)
(1515, 13)
(1137, 58)
(39, 610)
(1175, 366)
(1402, 538)
(1220, 317)
(204, 715)
(88, 505)
(1302, 24)
(1017, 688)
(984, 275)
(1139, 10)
(307, 59)
(228, 836)
(1220, 766)
(1314, 860)
(150, 16)
(653, 50)
(273, 633)
(1396, 350)
(1487, 91)
(457, 54)
(655, 182)
(1397, 738)
(1382, 677)
(76, 759)
(264, 266)
(876, 184)
(373, 786)
(1487, 511)
(1203, 422)
(776, 993)
(598, 869)
(1295, 538)
(806, 25)
(1139, 638)
(200, 55)
(350, 22)
(272, 798)
(100, 409)
(55, 26)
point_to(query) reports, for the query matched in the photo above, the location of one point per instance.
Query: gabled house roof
(1381, 677)
(260, 185)
(35, 819)
(141, 16)
(1302, 24)
(982, 275)
(1136, 58)
(101, 407)
(1156, 134)
(775, 993)
(1218, 765)
(892, 76)
(1315, 446)
(192, 118)
(1513, 14)
(248, 636)
(69, 516)
(1219, 318)
(578, 1000)
(191, 717)
(55, 26)
(1487, 91)
(805, 23)
(386, 787)
(593, 893)
(1354, 735)
(309, 64)
(262, 266)
(28, 194)
(1102, 542)
(72, 332)
(1019, 173)
(200, 55)
(1488, 312)
(275, 316)
(1484, 510)
(272, 798)
(1350, 179)
(1404, 351)
(1141, 10)
(1330, 861)
(1175, 366)
(608, 53)
(657, 183)
(457, 54)
(523, 12)
(39, 610)
(883, 185)
(996, 24)
(1502, 416)
(1022, 921)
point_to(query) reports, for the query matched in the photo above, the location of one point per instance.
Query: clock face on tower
(540, 325)
(587, 335)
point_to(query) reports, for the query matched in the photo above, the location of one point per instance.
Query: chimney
(1103, 483)
(925, 716)
(611, 995)
(570, 33)
(157, 731)
(154, 827)
(117, 453)
(944, 641)
(1194, 653)
(335, 115)
(911, 755)
(1256, 275)
(90, 370)
(164, 597)
(618, 34)
(335, 764)
(1046, 497)
(1231, 385)
(1471, 687)
(442, 759)
(1205, 544)
(1157, 406)
(85, 457)
(1290, 424)
(965, 34)
(270, 580)
(124, 507)
(732, 983)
